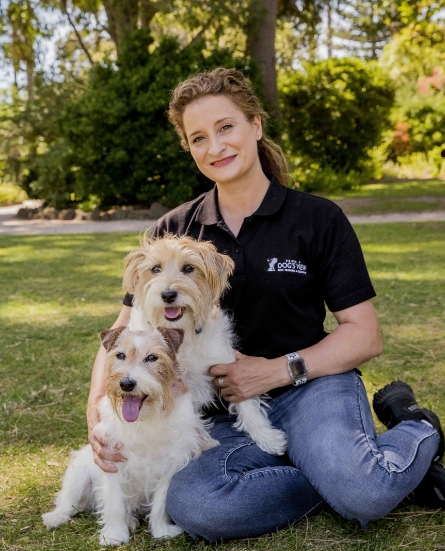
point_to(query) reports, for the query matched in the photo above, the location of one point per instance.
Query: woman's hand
(104, 457)
(249, 376)
(353, 342)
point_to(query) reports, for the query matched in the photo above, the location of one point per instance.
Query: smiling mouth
(131, 405)
(223, 162)
(172, 313)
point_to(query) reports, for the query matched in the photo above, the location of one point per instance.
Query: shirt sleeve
(344, 276)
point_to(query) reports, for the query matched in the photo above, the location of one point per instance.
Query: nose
(127, 384)
(168, 295)
(216, 146)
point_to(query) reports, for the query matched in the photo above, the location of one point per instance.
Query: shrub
(334, 112)
(423, 118)
(11, 193)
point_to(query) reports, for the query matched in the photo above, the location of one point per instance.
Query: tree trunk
(30, 79)
(261, 47)
(148, 11)
(122, 18)
(329, 32)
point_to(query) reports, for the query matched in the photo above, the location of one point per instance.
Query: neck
(236, 201)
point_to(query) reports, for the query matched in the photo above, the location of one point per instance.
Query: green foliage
(11, 193)
(116, 142)
(415, 52)
(313, 177)
(425, 118)
(415, 58)
(365, 26)
(334, 112)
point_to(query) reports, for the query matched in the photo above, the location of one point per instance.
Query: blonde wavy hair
(232, 84)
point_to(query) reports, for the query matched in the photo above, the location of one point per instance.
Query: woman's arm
(354, 341)
(102, 457)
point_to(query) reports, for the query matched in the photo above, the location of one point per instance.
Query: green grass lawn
(395, 190)
(58, 292)
(383, 198)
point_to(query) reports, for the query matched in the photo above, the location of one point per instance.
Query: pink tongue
(130, 408)
(172, 313)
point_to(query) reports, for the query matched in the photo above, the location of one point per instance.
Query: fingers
(219, 370)
(105, 457)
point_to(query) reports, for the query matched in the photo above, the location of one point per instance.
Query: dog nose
(127, 384)
(169, 295)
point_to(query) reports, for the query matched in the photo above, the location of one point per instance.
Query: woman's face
(222, 141)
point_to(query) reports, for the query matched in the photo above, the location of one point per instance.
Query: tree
(365, 26)
(18, 19)
(260, 36)
(415, 52)
(335, 111)
(115, 142)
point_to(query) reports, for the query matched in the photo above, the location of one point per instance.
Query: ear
(219, 268)
(174, 337)
(110, 336)
(131, 275)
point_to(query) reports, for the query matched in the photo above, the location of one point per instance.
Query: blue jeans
(334, 458)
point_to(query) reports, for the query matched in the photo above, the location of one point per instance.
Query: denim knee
(193, 510)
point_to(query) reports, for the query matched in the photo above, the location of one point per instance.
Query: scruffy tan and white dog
(177, 282)
(148, 409)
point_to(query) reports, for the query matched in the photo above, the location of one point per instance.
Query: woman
(293, 253)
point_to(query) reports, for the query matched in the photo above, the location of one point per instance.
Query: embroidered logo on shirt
(286, 266)
(272, 262)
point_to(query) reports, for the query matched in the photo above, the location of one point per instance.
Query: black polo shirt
(295, 254)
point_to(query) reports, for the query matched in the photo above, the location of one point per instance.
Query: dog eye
(156, 269)
(120, 356)
(150, 358)
(188, 269)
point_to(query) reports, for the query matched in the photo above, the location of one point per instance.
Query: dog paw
(114, 536)
(54, 519)
(165, 530)
(132, 523)
(273, 441)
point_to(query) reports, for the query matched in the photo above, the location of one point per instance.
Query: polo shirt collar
(273, 199)
(209, 211)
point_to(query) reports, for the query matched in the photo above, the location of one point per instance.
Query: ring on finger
(221, 382)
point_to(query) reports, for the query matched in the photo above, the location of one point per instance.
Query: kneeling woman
(293, 254)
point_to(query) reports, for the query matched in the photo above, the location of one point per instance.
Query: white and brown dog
(177, 282)
(149, 411)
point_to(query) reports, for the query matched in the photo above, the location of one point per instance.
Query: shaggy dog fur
(177, 282)
(149, 411)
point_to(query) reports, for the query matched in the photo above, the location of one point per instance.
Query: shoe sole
(387, 395)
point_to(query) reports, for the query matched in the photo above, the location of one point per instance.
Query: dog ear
(219, 267)
(174, 337)
(109, 337)
(131, 275)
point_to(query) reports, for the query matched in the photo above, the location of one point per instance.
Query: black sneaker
(396, 402)
(431, 491)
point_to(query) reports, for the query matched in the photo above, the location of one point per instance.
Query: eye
(150, 358)
(120, 356)
(226, 127)
(156, 269)
(188, 269)
(198, 139)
